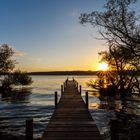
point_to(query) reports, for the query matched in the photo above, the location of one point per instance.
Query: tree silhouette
(118, 25)
(6, 62)
(21, 78)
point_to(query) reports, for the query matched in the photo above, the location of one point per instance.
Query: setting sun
(103, 66)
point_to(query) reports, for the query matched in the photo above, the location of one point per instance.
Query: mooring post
(77, 85)
(29, 129)
(114, 129)
(86, 96)
(73, 79)
(64, 85)
(62, 89)
(55, 99)
(80, 90)
(67, 81)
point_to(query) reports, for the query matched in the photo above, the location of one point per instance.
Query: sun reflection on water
(94, 106)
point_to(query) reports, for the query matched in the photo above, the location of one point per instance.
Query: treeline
(65, 73)
(129, 72)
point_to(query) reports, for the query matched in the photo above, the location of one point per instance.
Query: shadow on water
(9, 100)
(16, 96)
(126, 112)
(16, 107)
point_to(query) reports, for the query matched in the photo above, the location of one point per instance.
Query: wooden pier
(71, 119)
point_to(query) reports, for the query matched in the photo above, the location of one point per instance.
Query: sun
(103, 66)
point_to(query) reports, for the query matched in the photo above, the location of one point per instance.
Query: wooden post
(80, 90)
(76, 84)
(73, 79)
(114, 130)
(55, 99)
(29, 129)
(86, 99)
(61, 89)
(64, 85)
(67, 81)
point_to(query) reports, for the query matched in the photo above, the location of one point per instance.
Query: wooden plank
(71, 119)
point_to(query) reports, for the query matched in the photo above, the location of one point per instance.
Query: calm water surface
(39, 105)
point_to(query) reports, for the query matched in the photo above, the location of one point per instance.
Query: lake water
(39, 105)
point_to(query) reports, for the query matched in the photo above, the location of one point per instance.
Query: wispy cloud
(19, 53)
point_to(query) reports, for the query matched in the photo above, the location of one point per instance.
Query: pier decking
(71, 119)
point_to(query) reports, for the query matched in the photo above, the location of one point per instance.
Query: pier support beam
(62, 89)
(77, 85)
(64, 85)
(80, 89)
(86, 99)
(114, 129)
(29, 129)
(55, 103)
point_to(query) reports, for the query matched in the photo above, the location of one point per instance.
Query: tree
(6, 63)
(21, 78)
(16, 78)
(118, 24)
(7, 82)
(124, 75)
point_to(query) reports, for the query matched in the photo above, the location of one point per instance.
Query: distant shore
(77, 72)
(64, 73)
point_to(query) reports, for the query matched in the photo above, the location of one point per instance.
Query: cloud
(16, 52)
(19, 53)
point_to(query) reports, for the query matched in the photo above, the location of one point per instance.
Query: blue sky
(47, 34)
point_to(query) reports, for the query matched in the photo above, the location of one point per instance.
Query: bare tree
(118, 24)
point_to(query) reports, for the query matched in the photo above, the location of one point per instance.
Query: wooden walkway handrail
(71, 119)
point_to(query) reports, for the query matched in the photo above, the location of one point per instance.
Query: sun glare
(103, 66)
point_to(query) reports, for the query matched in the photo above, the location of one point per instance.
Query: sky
(47, 35)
